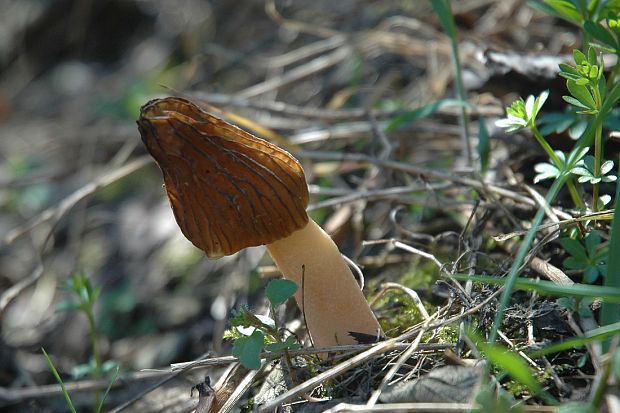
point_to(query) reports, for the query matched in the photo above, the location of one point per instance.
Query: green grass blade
(604, 293)
(59, 380)
(610, 313)
(512, 364)
(410, 116)
(107, 391)
(598, 334)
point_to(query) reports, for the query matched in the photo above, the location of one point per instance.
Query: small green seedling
(253, 333)
(85, 298)
(591, 257)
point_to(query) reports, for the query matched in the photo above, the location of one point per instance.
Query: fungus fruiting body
(230, 190)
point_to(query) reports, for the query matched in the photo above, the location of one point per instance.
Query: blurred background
(79, 197)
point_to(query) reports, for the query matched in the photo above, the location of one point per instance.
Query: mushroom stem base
(329, 297)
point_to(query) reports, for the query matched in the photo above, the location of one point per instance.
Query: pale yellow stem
(330, 299)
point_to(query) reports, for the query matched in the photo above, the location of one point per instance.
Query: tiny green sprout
(80, 285)
(585, 169)
(522, 114)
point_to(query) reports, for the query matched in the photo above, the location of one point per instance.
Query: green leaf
(278, 291)
(574, 248)
(109, 366)
(598, 32)
(571, 100)
(593, 240)
(566, 302)
(579, 57)
(588, 337)
(533, 105)
(422, 112)
(581, 93)
(606, 167)
(569, 72)
(594, 72)
(571, 263)
(82, 370)
(562, 9)
(248, 349)
(592, 56)
(545, 171)
(591, 274)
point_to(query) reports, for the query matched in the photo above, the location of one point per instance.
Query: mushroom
(230, 190)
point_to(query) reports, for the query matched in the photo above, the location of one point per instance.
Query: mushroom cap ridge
(228, 188)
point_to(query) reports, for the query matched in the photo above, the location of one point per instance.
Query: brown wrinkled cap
(228, 189)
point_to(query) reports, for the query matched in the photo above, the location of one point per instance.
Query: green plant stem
(287, 355)
(598, 148)
(574, 194)
(545, 145)
(93, 343)
(95, 349)
(572, 189)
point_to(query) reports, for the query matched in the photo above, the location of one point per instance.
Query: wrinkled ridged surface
(228, 189)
